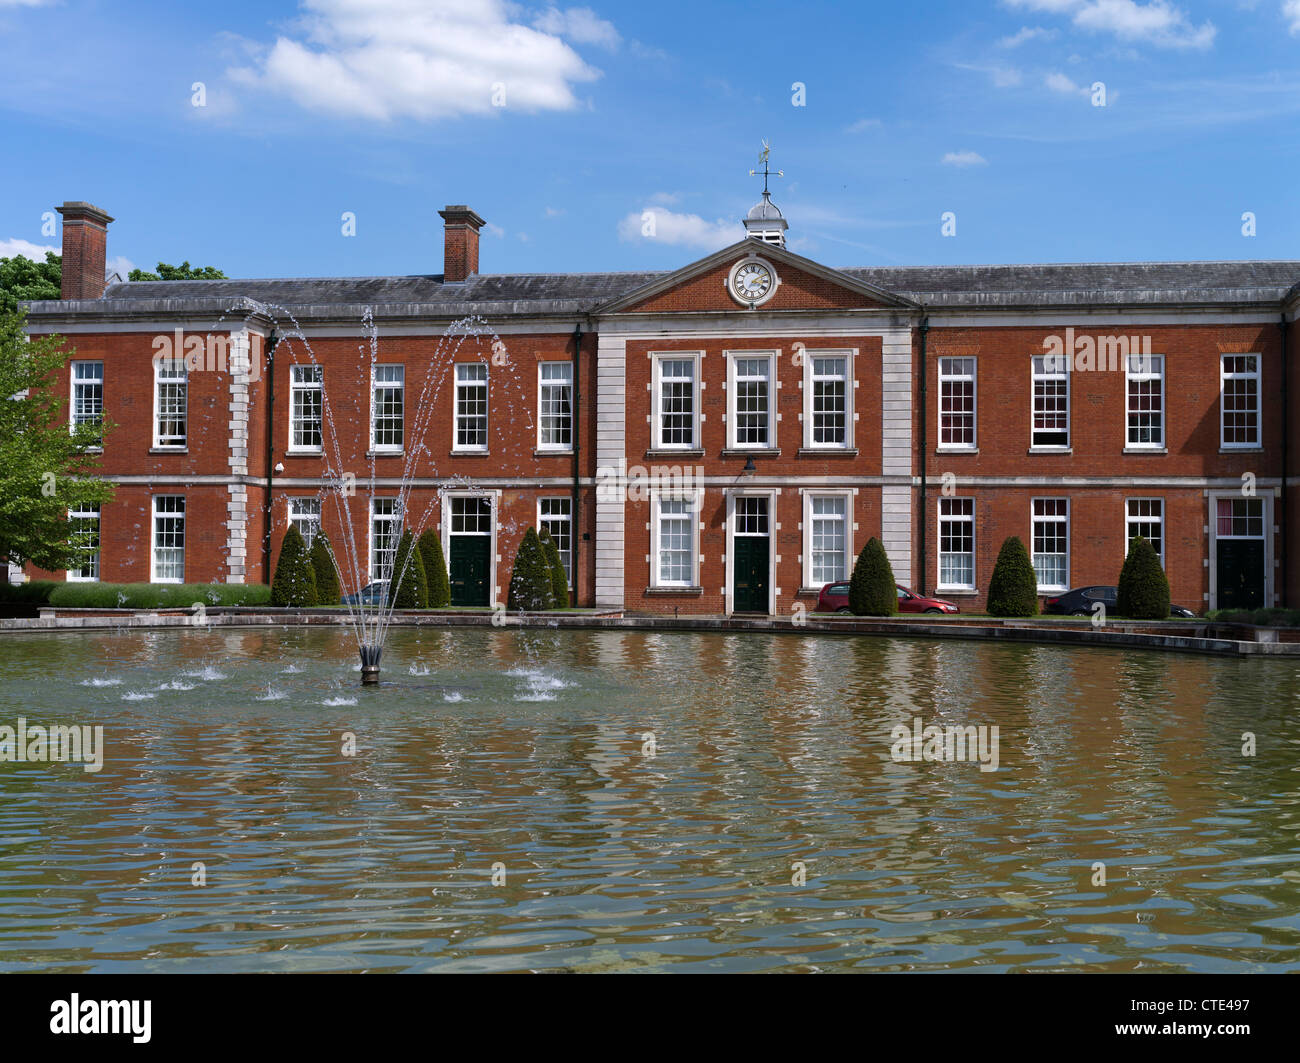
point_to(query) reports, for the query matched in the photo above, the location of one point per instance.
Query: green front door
(749, 574)
(469, 568)
(1240, 573)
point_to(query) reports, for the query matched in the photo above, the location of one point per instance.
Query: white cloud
(119, 264)
(421, 59)
(1157, 22)
(963, 159)
(25, 3)
(14, 247)
(580, 25)
(554, 212)
(679, 230)
(1291, 9)
(1058, 82)
(494, 230)
(863, 124)
(1027, 33)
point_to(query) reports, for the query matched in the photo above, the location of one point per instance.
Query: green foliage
(1143, 586)
(872, 590)
(21, 280)
(328, 591)
(157, 595)
(33, 592)
(559, 581)
(295, 582)
(1270, 617)
(1013, 587)
(409, 588)
(530, 581)
(435, 569)
(183, 272)
(45, 470)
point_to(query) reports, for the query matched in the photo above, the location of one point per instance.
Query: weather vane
(762, 158)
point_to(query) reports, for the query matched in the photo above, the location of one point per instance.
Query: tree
(183, 272)
(1013, 587)
(408, 588)
(872, 590)
(328, 591)
(294, 582)
(45, 469)
(21, 279)
(559, 580)
(435, 569)
(1143, 585)
(530, 580)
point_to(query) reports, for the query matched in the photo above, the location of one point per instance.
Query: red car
(834, 598)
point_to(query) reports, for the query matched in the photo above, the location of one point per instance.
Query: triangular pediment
(800, 285)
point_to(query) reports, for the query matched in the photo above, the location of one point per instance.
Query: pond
(514, 799)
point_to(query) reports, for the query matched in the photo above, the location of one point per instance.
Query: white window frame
(969, 502)
(848, 496)
(73, 383)
(771, 495)
(1258, 376)
(973, 377)
(305, 510)
(542, 385)
(160, 366)
(567, 518)
(656, 400)
(1134, 371)
(295, 387)
(695, 504)
(93, 511)
(1269, 538)
(395, 520)
(153, 537)
(770, 357)
(398, 385)
(1055, 374)
(1034, 521)
(494, 503)
(457, 416)
(1130, 520)
(850, 395)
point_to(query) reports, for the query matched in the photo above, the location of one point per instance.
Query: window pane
(957, 542)
(555, 520)
(677, 402)
(829, 401)
(388, 404)
(751, 401)
(829, 539)
(556, 405)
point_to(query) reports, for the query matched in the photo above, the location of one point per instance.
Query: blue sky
(563, 125)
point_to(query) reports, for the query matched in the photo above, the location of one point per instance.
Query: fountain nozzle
(370, 654)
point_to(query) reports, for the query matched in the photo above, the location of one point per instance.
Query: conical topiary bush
(530, 581)
(559, 581)
(435, 569)
(1013, 587)
(295, 582)
(872, 590)
(1143, 585)
(408, 588)
(326, 571)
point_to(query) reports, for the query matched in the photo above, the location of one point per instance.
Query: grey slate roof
(1046, 285)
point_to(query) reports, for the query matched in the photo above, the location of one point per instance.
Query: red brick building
(720, 438)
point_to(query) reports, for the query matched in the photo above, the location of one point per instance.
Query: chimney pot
(460, 243)
(85, 250)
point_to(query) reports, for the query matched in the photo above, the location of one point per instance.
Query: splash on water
(138, 695)
(101, 682)
(272, 695)
(335, 702)
(208, 674)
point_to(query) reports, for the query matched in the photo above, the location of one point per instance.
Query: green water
(528, 750)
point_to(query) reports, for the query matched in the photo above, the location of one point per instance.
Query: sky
(245, 134)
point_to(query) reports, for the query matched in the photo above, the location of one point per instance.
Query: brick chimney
(460, 246)
(85, 250)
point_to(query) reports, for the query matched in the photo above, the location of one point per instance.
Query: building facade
(720, 438)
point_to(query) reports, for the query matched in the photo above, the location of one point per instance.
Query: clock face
(753, 281)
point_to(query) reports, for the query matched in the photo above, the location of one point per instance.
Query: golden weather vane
(765, 171)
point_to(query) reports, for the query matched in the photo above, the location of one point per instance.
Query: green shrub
(1013, 587)
(435, 569)
(323, 566)
(294, 583)
(1271, 617)
(872, 590)
(408, 588)
(530, 580)
(33, 592)
(559, 581)
(157, 595)
(1143, 586)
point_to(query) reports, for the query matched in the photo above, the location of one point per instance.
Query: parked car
(371, 594)
(1081, 600)
(834, 598)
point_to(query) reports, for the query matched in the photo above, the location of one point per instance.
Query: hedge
(328, 591)
(1143, 587)
(1013, 587)
(530, 580)
(33, 592)
(559, 581)
(408, 589)
(435, 569)
(872, 590)
(157, 595)
(294, 582)
(1271, 617)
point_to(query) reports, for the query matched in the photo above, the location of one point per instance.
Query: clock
(752, 282)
